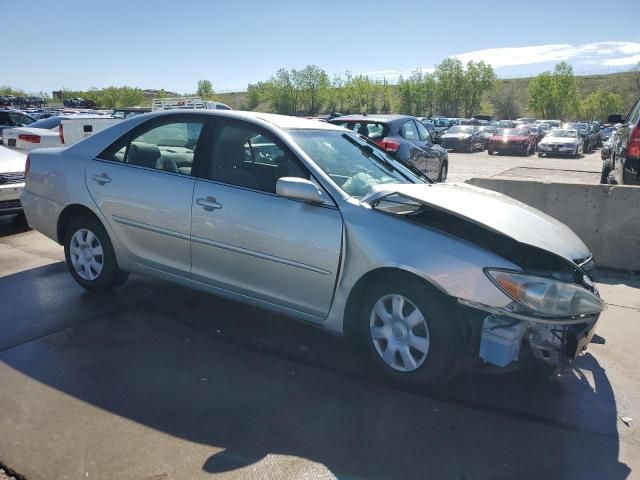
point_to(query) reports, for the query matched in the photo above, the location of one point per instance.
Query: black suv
(624, 165)
(404, 137)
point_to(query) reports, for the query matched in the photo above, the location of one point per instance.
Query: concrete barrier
(606, 217)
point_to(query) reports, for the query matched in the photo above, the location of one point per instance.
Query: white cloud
(598, 53)
(620, 61)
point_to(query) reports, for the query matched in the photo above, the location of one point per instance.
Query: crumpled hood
(495, 211)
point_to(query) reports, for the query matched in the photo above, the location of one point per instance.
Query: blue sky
(173, 44)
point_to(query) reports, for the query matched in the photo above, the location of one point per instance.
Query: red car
(512, 141)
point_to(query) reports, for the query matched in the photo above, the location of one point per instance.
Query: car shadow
(13, 224)
(253, 384)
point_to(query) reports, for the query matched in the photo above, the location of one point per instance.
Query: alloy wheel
(399, 332)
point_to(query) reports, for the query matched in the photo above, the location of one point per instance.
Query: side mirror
(615, 119)
(298, 189)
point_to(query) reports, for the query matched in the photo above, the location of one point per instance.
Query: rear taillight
(633, 149)
(61, 134)
(27, 166)
(29, 138)
(388, 144)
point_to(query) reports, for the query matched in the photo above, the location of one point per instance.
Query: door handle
(101, 179)
(208, 203)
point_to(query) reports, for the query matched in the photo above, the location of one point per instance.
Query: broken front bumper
(502, 336)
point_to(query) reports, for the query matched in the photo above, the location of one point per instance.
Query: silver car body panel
(303, 262)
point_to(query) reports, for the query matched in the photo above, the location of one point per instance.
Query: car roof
(284, 122)
(372, 118)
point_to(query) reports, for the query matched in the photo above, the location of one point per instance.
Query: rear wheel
(90, 256)
(607, 168)
(410, 331)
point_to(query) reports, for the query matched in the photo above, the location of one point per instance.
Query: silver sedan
(316, 222)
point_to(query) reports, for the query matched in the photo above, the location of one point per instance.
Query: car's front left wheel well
(385, 274)
(67, 215)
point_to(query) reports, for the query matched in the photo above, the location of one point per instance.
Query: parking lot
(586, 169)
(156, 381)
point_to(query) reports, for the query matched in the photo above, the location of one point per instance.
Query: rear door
(433, 160)
(247, 240)
(143, 186)
(417, 154)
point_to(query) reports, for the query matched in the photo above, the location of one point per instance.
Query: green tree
(450, 77)
(505, 102)
(554, 94)
(205, 90)
(600, 104)
(479, 79)
(314, 85)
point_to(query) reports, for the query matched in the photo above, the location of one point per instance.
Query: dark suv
(624, 165)
(403, 136)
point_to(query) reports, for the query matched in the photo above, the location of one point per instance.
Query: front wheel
(444, 170)
(607, 168)
(90, 256)
(410, 331)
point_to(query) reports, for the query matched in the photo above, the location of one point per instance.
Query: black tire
(445, 330)
(110, 276)
(539, 155)
(444, 170)
(607, 168)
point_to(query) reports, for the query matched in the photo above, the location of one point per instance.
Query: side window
(408, 130)
(169, 146)
(246, 157)
(634, 115)
(423, 133)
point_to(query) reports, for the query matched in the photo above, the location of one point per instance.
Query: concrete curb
(606, 217)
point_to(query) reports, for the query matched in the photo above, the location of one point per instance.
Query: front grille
(7, 205)
(14, 177)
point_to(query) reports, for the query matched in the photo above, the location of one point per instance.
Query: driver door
(247, 240)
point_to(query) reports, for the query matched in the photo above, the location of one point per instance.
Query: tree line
(453, 89)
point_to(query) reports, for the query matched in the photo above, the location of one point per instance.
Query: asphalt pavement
(156, 381)
(585, 169)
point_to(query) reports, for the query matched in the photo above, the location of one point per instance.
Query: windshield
(355, 164)
(513, 131)
(563, 133)
(442, 122)
(460, 130)
(48, 123)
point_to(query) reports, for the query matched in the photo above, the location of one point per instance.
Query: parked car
(550, 123)
(624, 167)
(606, 155)
(13, 118)
(428, 124)
(561, 141)
(463, 138)
(441, 125)
(12, 166)
(534, 132)
(511, 141)
(596, 133)
(403, 136)
(526, 120)
(607, 132)
(505, 124)
(315, 221)
(585, 132)
(485, 133)
(43, 133)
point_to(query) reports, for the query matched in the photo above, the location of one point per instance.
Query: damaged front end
(555, 304)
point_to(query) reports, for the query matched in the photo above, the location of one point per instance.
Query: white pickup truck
(73, 130)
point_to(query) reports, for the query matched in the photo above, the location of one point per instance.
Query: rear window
(48, 123)
(373, 130)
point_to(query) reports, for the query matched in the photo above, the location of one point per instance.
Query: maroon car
(512, 141)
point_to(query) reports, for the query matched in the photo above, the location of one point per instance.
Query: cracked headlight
(546, 296)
